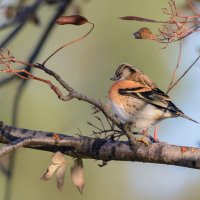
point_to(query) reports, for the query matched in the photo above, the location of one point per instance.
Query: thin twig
(72, 93)
(176, 68)
(192, 7)
(69, 43)
(189, 68)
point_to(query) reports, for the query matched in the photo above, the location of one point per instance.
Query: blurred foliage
(87, 66)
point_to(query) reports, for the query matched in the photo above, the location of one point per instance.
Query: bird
(136, 99)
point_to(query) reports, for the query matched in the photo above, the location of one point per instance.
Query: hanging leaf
(77, 174)
(145, 33)
(60, 176)
(140, 19)
(49, 172)
(58, 158)
(58, 165)
(73, 19)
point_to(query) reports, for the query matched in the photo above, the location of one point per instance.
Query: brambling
(136, 99)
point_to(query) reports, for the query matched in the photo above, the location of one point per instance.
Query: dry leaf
(145, 33)
(60, 176)
(73, 19)
(58, 165)
(77, 174)
(140, 19)
(58, 158)
(49, 172)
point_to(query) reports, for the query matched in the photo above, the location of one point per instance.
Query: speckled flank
(130, 109)
(143, 116)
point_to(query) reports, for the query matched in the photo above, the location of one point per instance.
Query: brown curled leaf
(72, 19)
(140, 19)
(58, 165)
(60, 176)
(49, 172)
(145, 33)
(77, 174)
(58, 158)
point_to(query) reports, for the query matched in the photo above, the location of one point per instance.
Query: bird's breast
(131, 109)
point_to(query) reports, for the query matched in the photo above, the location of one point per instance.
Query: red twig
(189, 68)
(176, 68)
(72, 42)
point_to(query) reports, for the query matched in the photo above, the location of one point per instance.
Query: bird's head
(124, 71)
(128, 72)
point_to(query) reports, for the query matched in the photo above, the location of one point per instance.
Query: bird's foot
(143, 139)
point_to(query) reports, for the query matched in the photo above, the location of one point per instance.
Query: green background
(87, 67)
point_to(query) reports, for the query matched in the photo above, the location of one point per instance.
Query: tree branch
(72, 93)
(99, 149)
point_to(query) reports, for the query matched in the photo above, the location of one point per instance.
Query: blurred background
(87, 67)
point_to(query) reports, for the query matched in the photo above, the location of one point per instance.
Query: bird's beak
(112, 79)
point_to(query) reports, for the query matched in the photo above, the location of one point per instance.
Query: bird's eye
(117, 75)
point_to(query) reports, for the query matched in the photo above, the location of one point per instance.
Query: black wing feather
(154, 97)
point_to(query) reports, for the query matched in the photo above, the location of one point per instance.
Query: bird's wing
(154, 97)
(151, 95)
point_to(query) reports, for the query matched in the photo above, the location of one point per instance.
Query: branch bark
(99, 149)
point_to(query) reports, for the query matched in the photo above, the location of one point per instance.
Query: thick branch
(99, 149)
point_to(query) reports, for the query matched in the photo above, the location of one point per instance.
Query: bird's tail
(186, 117)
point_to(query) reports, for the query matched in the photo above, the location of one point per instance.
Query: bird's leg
(144, 137)
(155, 136)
